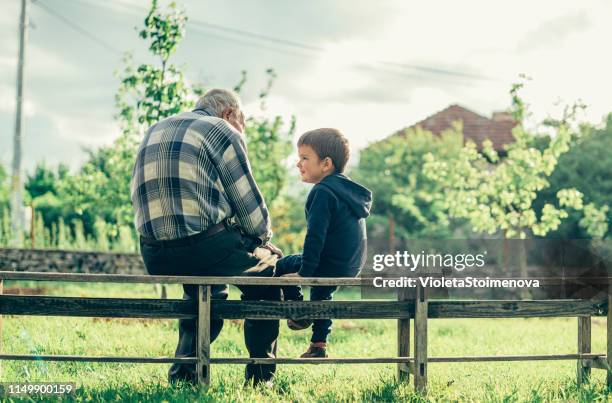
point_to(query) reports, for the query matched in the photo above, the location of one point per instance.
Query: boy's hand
(272, 248)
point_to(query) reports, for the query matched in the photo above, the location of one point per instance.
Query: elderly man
(199, 212)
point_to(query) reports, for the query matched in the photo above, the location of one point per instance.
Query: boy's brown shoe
(315, 351)
(298, 324)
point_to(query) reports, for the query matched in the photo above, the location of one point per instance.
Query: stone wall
(47, 260)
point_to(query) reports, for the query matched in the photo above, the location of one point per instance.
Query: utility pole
(17, 182)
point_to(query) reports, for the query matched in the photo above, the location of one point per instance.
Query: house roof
(475, 127)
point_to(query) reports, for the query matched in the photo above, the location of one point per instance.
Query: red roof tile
(475, 127)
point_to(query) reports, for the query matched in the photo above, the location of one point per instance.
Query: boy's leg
(321, 327)
(286, 265)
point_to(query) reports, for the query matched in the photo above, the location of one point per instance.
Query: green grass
(512, 381)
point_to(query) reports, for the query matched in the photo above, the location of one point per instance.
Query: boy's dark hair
(330, 143)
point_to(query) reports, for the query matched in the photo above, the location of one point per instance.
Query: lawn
(513, 381)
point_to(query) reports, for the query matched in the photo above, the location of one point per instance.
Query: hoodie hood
(357, 197)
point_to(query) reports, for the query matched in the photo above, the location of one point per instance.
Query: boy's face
(312, 168)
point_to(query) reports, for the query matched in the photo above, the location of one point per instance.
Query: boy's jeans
(321, 328)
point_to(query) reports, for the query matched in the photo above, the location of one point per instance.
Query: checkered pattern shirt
(192, 172)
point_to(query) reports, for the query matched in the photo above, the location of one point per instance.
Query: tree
(269, 145)
(585, 167)
(147, 94)
(42, 191)
(496, 194)
(6, 233)
(392, 169)
(288, 218)
(4, 189)
(44, 180)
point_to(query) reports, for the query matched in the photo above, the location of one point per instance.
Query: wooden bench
(419, 308)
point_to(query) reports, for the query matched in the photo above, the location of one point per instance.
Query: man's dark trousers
(222, 254)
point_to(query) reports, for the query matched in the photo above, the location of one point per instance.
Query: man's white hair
(218, 99)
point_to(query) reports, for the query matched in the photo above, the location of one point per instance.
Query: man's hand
(272, 248)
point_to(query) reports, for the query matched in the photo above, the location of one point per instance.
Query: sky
(367, 68)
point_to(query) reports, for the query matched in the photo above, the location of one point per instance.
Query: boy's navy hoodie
(335, 243)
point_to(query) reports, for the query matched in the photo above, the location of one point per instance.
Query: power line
(78, 28)
(202, 30)
(237, 31)
(246, 38)
(243, 42)
(437, 70)
(426, 69)
(421, 77)
(260, 36)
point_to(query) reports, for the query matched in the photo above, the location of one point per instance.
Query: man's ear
(227, 113)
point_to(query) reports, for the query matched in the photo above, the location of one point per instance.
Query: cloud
(9, 19)
(86, 129)
(55, 138)
(358, 69)
(43, 63)
(40, 142)
(311, 22)
(8, 65)
(377, 69)
(362, 121)
(554, 32)
(8, 101)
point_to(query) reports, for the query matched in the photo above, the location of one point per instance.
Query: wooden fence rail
(418, 308)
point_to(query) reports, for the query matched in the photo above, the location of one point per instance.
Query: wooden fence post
(203, 338)
(403, 340)
(584, 346)
(420, 341)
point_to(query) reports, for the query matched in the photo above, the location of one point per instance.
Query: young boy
(335, 243)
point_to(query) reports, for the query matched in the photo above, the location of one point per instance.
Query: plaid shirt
(192, 172)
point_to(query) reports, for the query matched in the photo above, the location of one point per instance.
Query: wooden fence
(419, 308)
